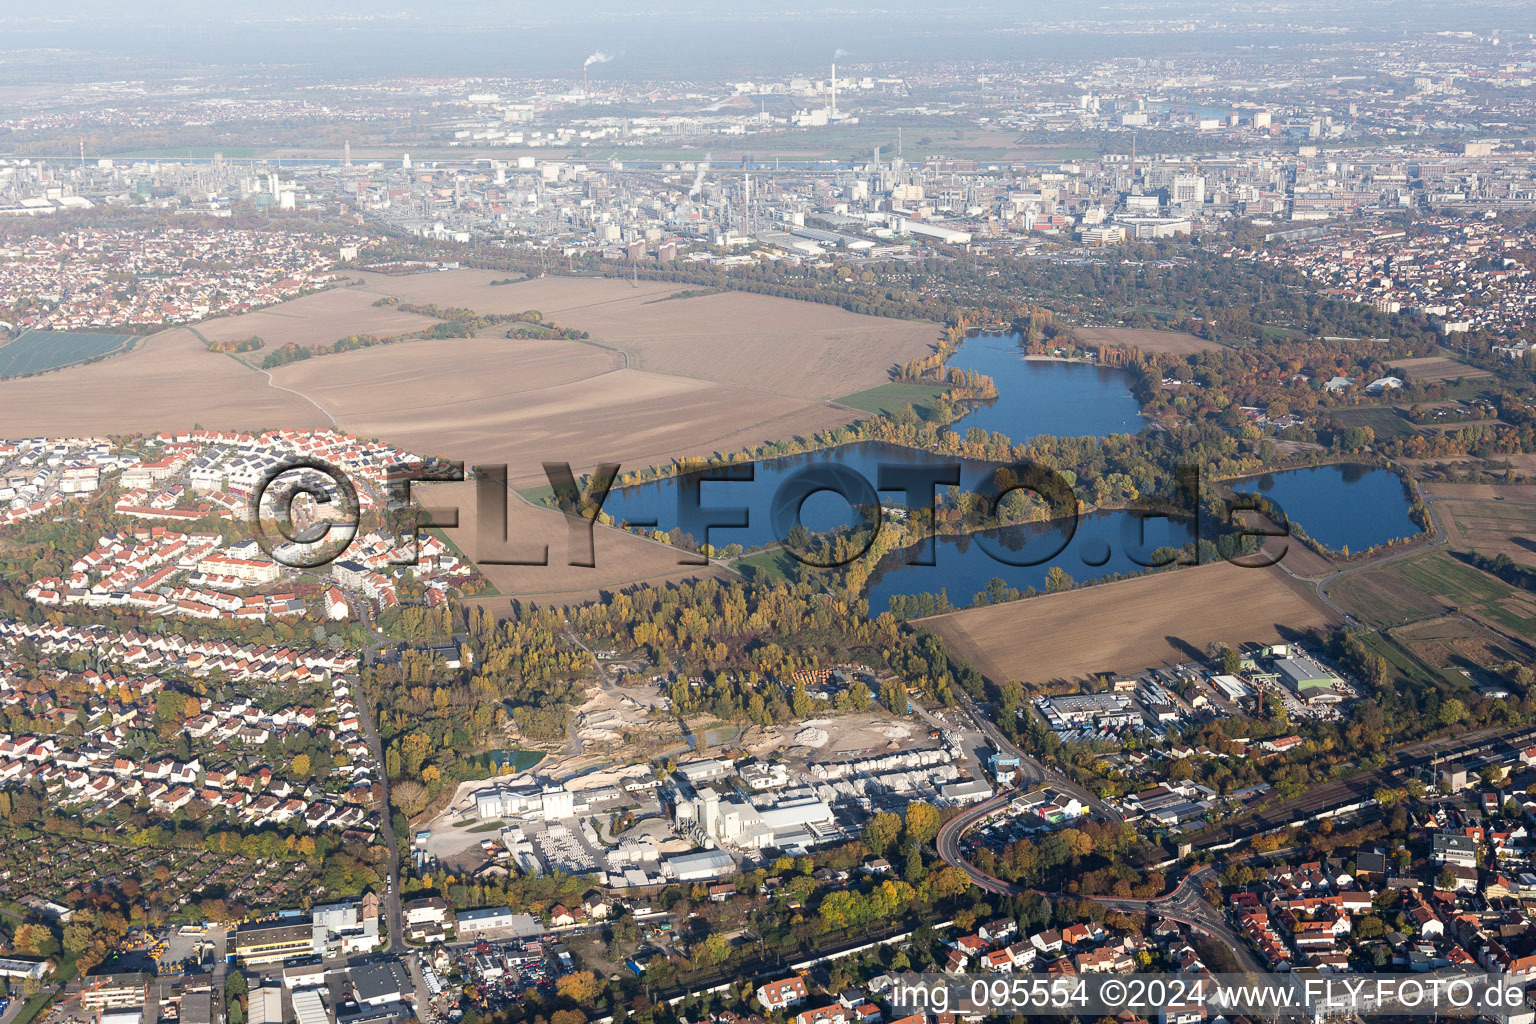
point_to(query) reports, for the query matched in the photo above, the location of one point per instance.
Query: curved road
(984, 734)
(1322, 583)
(1185, 905)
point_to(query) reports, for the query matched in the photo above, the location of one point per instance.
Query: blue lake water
(1042, 396)
(1102, 543)
(1339, 506)
(1351, 505)
(1035, 398)
(754, 499)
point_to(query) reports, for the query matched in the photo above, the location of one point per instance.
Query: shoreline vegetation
(1107, 490)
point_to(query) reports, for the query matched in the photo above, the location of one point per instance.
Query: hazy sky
(673, 37)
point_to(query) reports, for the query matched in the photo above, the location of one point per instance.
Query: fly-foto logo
(313, 533)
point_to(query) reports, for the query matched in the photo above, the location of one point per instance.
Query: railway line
(1185, 904)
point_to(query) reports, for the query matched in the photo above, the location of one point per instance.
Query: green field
(1384, 420)
(889, 399)
(1446, 576)
(767, 567)
(1283, 333)
(1425, 585)
(40, 351)
(1408, 669)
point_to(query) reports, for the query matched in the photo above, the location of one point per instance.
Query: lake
(1045, 396)
(1353, 506)
(1035, 397)
(516, 758)
(1103, 543)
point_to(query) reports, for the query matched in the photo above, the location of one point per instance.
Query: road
(1185, 905)
(980, 736)
(1440, 540)
(393, 918)
(19, 1003)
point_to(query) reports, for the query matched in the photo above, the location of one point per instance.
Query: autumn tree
(922, 821)
(881, 831)
(579, 987)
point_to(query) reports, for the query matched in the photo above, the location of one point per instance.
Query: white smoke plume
(840, 53)
(598, 58)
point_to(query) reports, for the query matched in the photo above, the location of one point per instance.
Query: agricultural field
(1383, 419)
(1521, 466)
(659, 381)
(1178, 343)
(463, 400)
(1489, 519)
(889, 399)
(1453, 644)
(1430, 369)
(166, 381)
(41, 351)
(623, 559)
(315, 320)
(804, 349)
(1135, 624)
(414, 384)
(1429, 585)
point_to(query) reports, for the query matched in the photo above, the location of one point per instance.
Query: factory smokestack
(598, 57)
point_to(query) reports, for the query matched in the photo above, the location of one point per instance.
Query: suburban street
(393, 918)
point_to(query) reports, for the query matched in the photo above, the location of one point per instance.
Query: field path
(291, 391)
(1440, 538)
(270, 382)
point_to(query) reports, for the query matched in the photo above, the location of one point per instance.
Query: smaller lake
(1035, 398)
(1045, 396)
(515, 758)
(1104, 543)
(1357, 507)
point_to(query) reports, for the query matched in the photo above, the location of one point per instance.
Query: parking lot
(501, 974)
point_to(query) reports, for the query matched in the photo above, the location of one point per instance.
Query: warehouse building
(496, 919)
(309, 1008)
(702, 866)
(112, 991)
(696, 773)
(970, 791)
(1309, 681)
(266, 1006)
(12, 967)
(273, 942)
